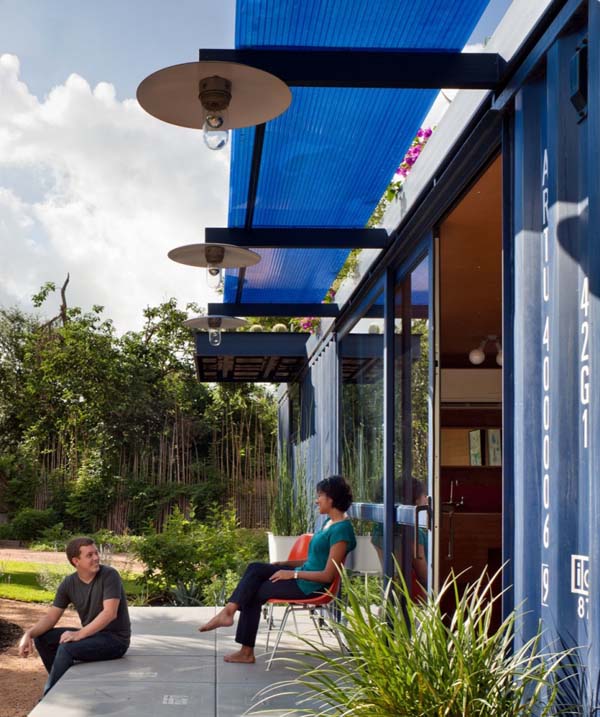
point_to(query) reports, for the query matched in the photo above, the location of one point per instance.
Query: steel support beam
(372, 68)
(249, 309)
(298, 238)
(389, 428)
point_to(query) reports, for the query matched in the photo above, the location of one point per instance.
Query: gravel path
(22, 680)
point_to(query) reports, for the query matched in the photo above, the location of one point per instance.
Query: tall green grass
(411, 660)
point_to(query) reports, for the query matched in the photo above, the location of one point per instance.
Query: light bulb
(213, 276)
(214, 337)
(215, 96)
(499, 355)
(214, 138)
(476, 356)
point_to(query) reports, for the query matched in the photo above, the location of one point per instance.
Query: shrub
(49, 579)
(6, 532)
(29, 523)
(220, 588)
(187, 595)
(411, 659)
(189, 552)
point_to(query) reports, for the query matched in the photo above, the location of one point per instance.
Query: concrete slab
(146, 668)
(170, 666)
(71, 698)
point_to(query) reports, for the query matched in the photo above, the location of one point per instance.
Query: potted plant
(291, 511)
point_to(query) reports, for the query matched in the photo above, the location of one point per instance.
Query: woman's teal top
(319, 547)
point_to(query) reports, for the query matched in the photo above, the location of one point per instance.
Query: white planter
(280, 546)
(364, 558)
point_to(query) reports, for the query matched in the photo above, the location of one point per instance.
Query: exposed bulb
(499, 355)
(214, 139)
(213, 276)
(214, 337)
(476, 356)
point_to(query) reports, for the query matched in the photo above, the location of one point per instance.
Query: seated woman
(293, 580)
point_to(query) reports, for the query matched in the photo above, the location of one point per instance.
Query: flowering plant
(408, 162)
(414, 151)
(307, 323)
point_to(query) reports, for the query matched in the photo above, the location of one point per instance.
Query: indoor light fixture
(214, 325)
(215, 257)
(477, 355)
(214, 97)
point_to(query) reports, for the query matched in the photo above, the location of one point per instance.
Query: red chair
(298, 551)
(310, 604)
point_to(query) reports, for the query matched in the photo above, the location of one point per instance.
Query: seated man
(97, 593)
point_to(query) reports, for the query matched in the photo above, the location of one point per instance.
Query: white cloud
(104, 192)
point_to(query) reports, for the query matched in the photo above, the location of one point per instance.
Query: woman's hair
(338, 490)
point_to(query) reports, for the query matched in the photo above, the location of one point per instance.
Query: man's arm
(103, 618)
(45, 623)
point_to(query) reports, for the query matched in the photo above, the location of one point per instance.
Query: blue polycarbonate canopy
(328, 159)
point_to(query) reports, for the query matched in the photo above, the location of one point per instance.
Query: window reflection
(362, 405)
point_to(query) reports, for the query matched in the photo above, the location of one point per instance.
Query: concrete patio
(172, 668)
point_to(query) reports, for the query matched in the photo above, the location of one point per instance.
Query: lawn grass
(18, 581)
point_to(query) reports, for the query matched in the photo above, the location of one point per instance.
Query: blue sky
(89, 183)
(119, 41)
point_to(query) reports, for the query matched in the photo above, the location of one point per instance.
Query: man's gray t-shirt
(88, 598)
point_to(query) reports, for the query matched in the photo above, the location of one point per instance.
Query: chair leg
(288, 609)
(270, 623)
(316, 619)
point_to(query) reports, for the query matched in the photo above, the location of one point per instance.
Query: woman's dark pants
(253, 590)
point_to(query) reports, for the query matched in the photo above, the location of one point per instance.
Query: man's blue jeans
(58, 658)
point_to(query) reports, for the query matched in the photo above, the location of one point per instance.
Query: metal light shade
(226, 256)
(214, 323)
(171, 94)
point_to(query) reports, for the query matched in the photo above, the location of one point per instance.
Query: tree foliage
(112, 431)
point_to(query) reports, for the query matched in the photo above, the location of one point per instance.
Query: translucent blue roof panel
(289, 275)
(327, 161)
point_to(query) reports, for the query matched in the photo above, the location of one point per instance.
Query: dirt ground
(22, 680)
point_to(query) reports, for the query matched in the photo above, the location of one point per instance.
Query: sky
(90, 184)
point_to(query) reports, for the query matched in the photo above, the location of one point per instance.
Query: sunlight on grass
(19, 581)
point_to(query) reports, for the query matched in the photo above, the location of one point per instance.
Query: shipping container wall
(311, 439)
(554, 310)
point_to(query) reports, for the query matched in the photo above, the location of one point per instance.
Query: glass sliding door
(386, 419)
(412, 422)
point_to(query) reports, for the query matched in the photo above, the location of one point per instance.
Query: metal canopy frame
(298, 238)
(331, 310)
(401, 69)
(393, 69)
(294, 309)
(251, 357)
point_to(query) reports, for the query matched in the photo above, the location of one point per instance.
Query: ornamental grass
(410, 659)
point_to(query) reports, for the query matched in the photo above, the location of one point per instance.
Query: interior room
(470, 336)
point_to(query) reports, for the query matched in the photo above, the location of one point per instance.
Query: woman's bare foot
(224, 618)
(244, 655)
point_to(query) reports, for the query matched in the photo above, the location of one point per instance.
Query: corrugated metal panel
(593, 269)
(328, 159)
(555, 309)
(315, 452)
